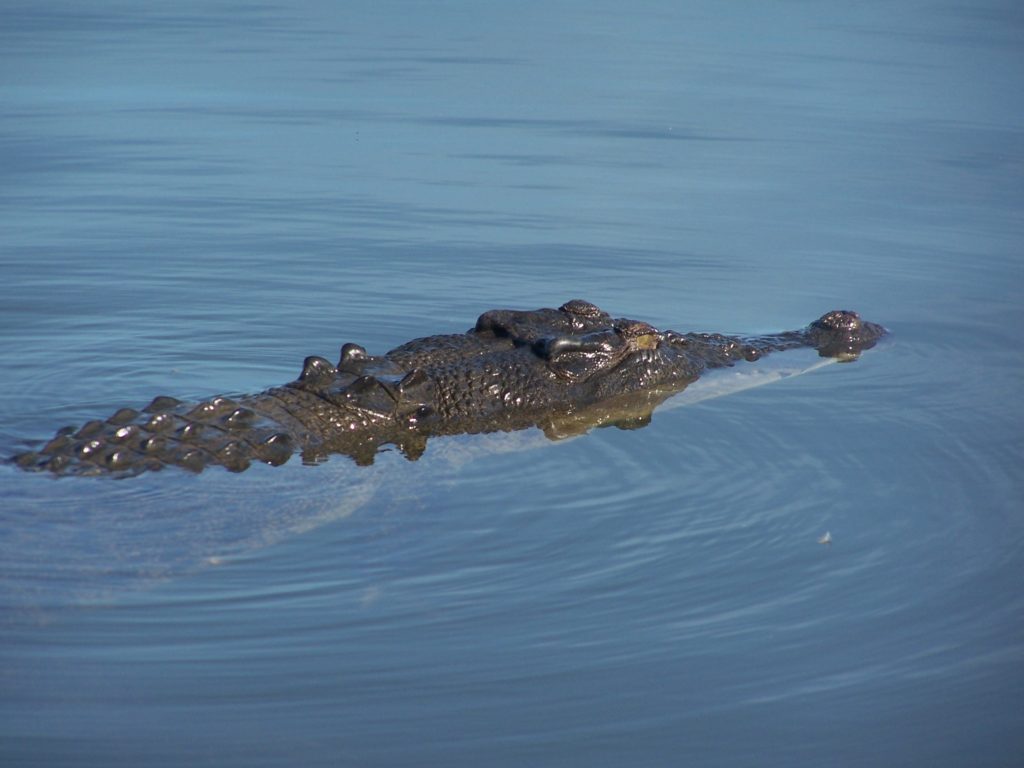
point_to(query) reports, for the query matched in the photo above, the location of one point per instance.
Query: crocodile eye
(647, 341)
(639, 335)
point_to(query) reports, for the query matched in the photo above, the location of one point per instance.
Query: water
(195, 197)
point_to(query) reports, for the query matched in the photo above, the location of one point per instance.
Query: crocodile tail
(167, 432)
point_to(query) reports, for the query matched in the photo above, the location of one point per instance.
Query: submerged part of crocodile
(563, 370)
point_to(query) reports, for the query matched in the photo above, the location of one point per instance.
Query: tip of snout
(843, 335)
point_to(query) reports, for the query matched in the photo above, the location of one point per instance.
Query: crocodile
(562, 370)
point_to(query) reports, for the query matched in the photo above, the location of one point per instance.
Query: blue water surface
(195, 196)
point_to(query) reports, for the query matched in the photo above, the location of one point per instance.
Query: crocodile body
(563, 370)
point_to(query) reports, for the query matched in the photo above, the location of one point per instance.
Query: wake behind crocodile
(518, 381)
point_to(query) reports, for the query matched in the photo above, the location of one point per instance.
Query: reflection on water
(194, 197)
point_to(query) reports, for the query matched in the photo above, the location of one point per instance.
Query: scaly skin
(563, 370)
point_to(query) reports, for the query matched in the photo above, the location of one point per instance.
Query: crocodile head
(618, 356)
